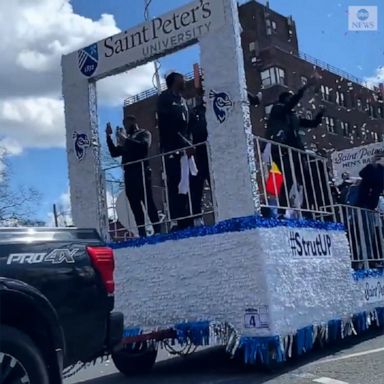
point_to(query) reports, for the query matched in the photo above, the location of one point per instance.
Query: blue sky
(322, 32)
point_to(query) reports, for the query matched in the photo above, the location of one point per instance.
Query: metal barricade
(365, 231)
(292, 183)
(175, 210)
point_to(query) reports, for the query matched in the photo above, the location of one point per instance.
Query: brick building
(273, 63)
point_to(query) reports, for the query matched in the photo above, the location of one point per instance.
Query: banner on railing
(353, 160)
(374, 290)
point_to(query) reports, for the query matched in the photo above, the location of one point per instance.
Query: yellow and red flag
(275, 181)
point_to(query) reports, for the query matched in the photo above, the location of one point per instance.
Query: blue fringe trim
(129, 332)
(304, 340)
(232, 225)
(266, 349)
(366, 273)
(258, 349)
(196, 332)
(334, 331)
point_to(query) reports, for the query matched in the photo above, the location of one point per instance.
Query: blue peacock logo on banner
(222, 104)
(88, 60)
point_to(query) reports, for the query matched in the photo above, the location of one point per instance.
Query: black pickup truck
(56, 302)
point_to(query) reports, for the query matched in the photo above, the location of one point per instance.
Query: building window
(371, 110)
(268, 109)
(325, 92)
(273, 76)
(330, 123)
(359, 105)
(274, 26)
(269, 27)
(304, 80)
(340, 98)
(346, 129)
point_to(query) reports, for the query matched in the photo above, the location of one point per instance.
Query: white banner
(354, 160)
(163, 34)
(373, 290)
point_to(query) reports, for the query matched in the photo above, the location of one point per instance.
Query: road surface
(360, 362)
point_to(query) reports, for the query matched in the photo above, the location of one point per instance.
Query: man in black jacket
(134, 148)
(370, 189)
(372, 183)
(285, 127)
(173, 119)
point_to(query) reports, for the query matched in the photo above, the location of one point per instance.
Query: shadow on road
(213, 366)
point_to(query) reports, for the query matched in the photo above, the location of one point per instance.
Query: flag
(275, 180)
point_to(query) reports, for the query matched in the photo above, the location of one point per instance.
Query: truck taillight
(103, 261)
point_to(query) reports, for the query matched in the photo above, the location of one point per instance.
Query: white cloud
(377, 78)
(63, 206)
(113, 90)
(33, 122)
(8, 147)
(33, 37)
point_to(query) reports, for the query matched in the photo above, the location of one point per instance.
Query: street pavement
(360, 361)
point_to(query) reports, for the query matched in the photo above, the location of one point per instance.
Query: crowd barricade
(365, 231)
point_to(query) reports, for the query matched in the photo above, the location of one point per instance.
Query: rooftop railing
(151, 92)
(304, 56)
(337, 71)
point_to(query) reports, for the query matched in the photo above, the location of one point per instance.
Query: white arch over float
(265, 287)
(215, 26)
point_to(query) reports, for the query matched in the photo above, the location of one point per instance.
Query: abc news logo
(310, 245)
(362, 18)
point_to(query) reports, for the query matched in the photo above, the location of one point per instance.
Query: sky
(35, 33)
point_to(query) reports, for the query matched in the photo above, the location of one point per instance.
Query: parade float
(267, 289)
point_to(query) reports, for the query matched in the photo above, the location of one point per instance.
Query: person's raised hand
(109, 129)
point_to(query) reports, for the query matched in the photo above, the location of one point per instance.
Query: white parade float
(267, 289)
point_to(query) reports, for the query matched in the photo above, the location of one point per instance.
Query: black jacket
(371, 186)
(173, 117)
(135, 148)
(198, 125)
(284, 124)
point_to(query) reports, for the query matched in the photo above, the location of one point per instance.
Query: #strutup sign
(354, 160)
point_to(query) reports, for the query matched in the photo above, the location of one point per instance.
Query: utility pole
(55, 215)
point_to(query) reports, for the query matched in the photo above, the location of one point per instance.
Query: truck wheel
(20, 360)
(134, 361)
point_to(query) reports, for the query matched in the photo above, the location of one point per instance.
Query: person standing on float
(134, 147)
(173, 118)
